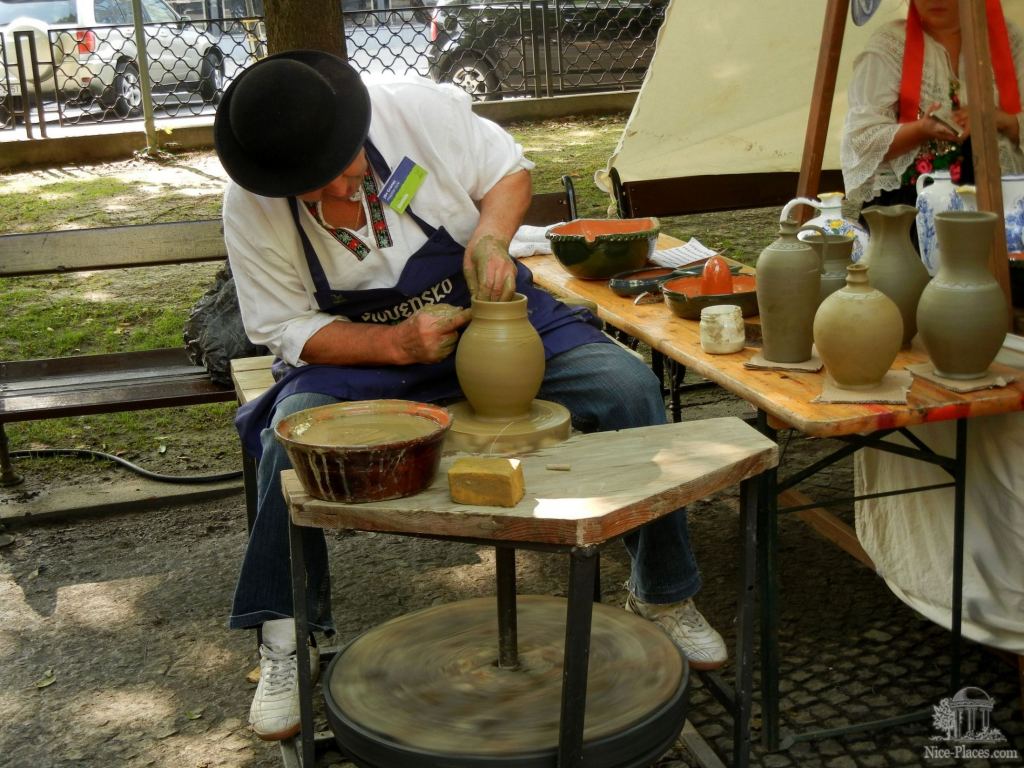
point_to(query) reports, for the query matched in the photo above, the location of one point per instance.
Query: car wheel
(475, 77)
(128, 92)
(211, 79)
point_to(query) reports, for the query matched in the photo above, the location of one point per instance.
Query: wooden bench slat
(139, 245)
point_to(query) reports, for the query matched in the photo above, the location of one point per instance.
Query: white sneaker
(703, 647)
(274, 714)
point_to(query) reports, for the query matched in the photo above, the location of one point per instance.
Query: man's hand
(489, 270)
(429, 335)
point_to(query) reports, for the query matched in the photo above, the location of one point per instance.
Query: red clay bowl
(683, 296)
(597, 249)
(368, 450)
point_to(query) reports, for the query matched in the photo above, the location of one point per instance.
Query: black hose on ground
(40, 453)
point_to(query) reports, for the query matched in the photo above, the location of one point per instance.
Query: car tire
(475, 76)
(211, 79)
(127, 101)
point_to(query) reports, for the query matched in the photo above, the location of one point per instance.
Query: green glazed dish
(597, 249)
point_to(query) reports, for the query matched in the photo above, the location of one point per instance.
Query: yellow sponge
(491, 482)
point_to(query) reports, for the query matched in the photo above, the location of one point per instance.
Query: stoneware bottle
(857, 332)
(962, 313)
(500, 359)
(788, 284)
(836, 254)
(896, 269)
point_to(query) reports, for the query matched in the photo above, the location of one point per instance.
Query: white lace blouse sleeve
(871, 123)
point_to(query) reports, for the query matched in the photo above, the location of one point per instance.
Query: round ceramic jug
(500, 359)
(1013, 212)
(788, 286)
(962, 313)
(857, 332)
(896, 269)
(835, 252)
(829, 206)
(939, 196)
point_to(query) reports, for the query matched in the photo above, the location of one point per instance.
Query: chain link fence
(75, 73)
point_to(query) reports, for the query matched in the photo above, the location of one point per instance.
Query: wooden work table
(784, 395)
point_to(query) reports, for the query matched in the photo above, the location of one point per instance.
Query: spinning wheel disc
(425, 688)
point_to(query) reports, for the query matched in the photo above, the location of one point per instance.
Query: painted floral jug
(829, 206)
(788, 286)
(896, 269)
(857, 332)
(1013, 212)
(935, 197)
(500, 359)
(962, 314)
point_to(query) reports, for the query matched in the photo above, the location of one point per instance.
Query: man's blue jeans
(603, 386)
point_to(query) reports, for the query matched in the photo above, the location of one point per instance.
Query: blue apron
(432, 275)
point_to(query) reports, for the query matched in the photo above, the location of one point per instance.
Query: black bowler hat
(291, 123)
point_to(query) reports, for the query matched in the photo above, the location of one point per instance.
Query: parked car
(86, 51)
(563, 45)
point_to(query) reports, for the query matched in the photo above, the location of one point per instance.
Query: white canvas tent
(729, 91)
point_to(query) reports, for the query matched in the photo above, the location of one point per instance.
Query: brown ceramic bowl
(683, 296)
(368, 450)
(597, 249)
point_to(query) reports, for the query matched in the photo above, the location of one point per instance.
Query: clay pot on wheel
(962, 313)
(500, 359)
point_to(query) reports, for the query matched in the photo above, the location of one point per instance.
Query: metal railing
(492, 50)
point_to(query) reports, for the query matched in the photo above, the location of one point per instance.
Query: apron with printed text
(432, 275)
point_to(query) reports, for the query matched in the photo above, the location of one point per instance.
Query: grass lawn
(143, 308)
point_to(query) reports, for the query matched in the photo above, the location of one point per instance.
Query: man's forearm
(344, 343)
(503, 207)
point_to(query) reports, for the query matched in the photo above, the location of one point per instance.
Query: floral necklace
(378, 224)
(935, 155)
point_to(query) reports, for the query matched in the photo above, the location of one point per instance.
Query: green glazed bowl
(597, 249)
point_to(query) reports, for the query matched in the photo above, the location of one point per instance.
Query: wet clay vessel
(500, 359)
(788, 293)
(962, 313)
(896, 269)
(595, 249)
(857, 332)
(368, 450)
(685, 298)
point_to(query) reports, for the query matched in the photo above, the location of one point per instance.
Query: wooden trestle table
(615, 482)
(783, 399)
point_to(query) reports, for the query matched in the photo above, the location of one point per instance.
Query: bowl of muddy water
(368, 450)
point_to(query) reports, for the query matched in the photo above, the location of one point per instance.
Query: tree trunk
(315, 24)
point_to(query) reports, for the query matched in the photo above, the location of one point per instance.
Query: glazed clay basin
(369, 450)
(683, 296)
(597, 249)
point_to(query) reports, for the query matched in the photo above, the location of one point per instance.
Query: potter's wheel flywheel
(547, 424)
(425, 690)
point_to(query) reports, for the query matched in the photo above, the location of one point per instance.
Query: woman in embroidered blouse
(906, 73)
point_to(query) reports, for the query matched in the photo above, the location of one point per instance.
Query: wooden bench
(122, 381)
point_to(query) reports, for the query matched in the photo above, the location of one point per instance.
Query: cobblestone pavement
(113, 650)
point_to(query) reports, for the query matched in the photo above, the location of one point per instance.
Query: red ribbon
(999, 49)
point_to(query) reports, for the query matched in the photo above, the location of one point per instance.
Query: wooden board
(785, 395)
(139, 245)
(617, 481)
(251, 376)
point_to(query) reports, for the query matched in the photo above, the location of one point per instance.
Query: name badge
(402, 185)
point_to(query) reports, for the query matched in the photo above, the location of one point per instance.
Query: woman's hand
(429, 335)
(489, 270)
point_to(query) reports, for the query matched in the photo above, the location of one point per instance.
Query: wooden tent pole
(982, 113)
(821, 101)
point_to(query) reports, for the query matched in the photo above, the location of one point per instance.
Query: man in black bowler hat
(352, 208)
